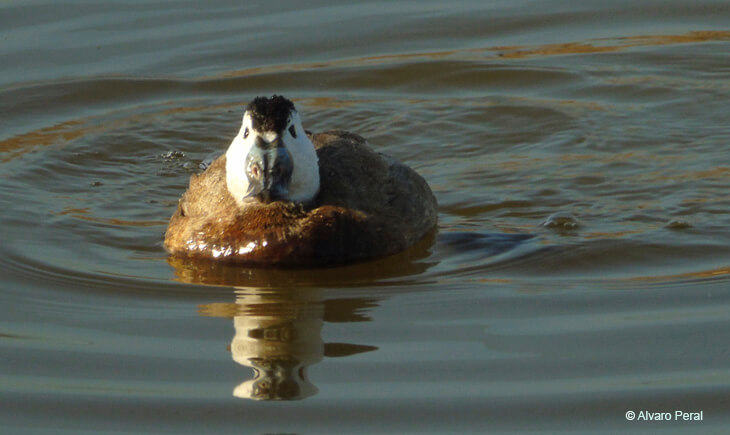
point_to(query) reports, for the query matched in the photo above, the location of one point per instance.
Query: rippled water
(578, 151)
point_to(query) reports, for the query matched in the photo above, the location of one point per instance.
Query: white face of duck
(268, 165)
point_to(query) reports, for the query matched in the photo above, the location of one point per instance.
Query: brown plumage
(368, 206)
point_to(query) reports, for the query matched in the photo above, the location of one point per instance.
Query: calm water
(579, 151)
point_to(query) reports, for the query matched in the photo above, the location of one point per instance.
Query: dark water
(578, 150)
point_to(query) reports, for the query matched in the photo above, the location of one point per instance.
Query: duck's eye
(245, 133)
(293, 131)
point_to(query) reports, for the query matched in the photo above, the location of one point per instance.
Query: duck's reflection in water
(279, 313)
(278, 333)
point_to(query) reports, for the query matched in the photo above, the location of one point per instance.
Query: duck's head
(271, 158)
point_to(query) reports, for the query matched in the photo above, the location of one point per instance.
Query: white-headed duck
(281, 196)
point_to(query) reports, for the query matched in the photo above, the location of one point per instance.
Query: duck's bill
(268, 168)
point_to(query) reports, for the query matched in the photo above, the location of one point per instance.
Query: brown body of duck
(368, 205)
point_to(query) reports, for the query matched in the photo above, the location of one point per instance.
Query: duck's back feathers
(369, 206)
(354, 176)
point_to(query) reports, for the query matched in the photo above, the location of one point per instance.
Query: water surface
(581, 268)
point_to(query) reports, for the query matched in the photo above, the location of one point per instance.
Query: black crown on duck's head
(270, 114)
